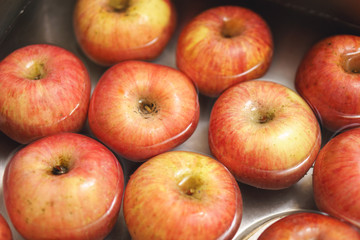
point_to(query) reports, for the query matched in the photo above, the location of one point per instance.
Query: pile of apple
(220, 53)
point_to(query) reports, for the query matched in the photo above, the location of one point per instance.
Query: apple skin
(44, 89)
(307, 225)
(328, 77)
(223, 46)
(182, 195)
(336, 177)
(82, 203)
(118, 115)
(264, 133)
(5, 232)
(139, 32)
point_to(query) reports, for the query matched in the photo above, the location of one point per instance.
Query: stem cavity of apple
(62, 166)
(351, 62)
(267, 117)
(231, 28)
(190, 185)
(118, 5)
(147, 108)
(35, 71)
(261, 114)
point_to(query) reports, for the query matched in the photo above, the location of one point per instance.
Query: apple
(111, 31)
(309, 225)
(223, 46)
(140, 109)
(63, 186)
(336, 177)
(182, 195)
(44, 89)
(328, 77)
(264, 133)
(5, 232)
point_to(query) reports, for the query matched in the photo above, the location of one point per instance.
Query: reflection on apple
(308, 225)
(336, 177)
(328, 78)
(44, 89)
(110, 31)
(140, 109)
(182, 195)
(64, 186)
(223, 46)
(264, 133)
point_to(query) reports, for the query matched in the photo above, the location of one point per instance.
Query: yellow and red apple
(44, 89)
(140, 109)
(5, 231)
(264, 133)
(223, 46)
(111, 31)
(328, 78)
(336, 177)
(182, 195)
(309, 225)
(63, 186)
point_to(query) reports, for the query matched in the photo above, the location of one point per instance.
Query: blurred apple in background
(223, 46)
(264, 133)
(110, 31)
(64, 186)
(336, 177)
(5, 232)
(308, 225)
(328, 78)
(182, 195)
(141, 109)
(44, 89)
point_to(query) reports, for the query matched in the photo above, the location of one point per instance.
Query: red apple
(328, 78)
(264, 133)
(44, 89)
(307, 225)
(110, 31)
(64, 186)
(182, 195)
(223, 46)
(336, 177)
(5, 232)
(141, 109)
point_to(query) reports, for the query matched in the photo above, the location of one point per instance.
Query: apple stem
(146, 107)
(149, 108)
(190, 185)
(190, 192)
(264, 118)
(119, 5)
(58, 170)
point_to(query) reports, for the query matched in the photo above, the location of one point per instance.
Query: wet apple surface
(337, 175)
(196, 198)
(33, 80)
(113, 31)
(65, 186)
(293, 31)
(328, 78)
(223, 46)
(302, 226)
(265, 133)
(142, 109)
(5, 231)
